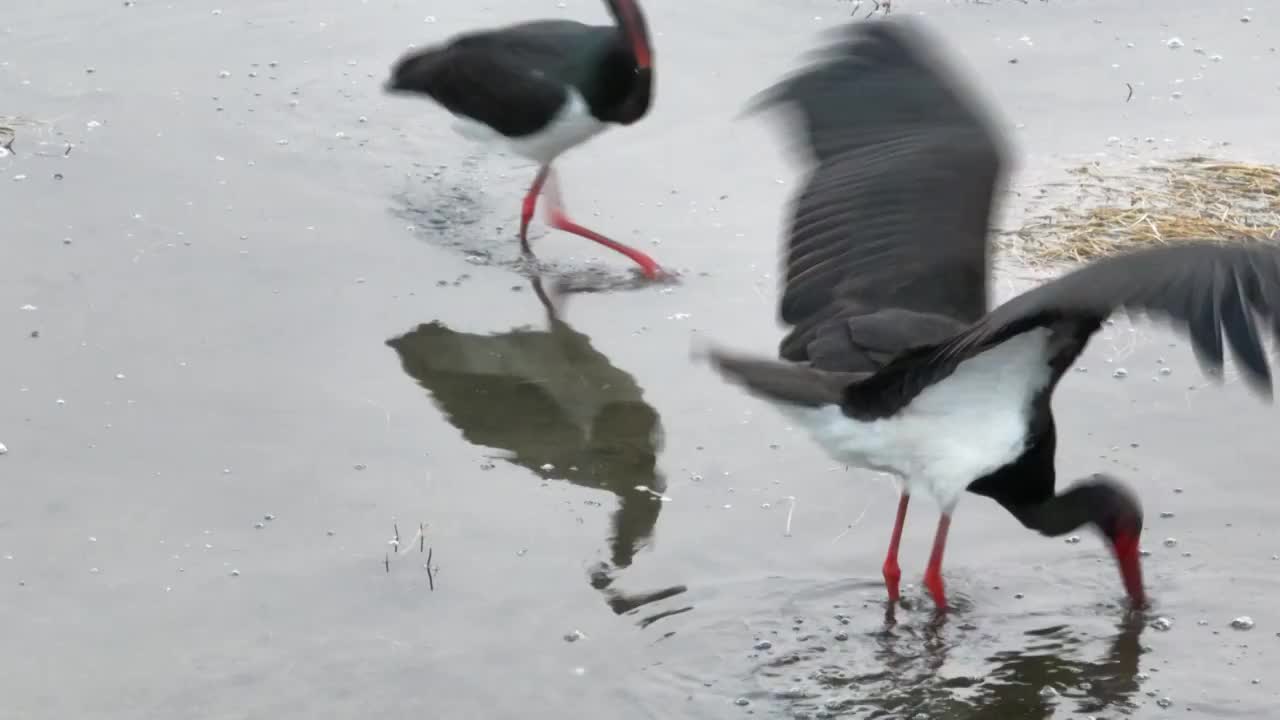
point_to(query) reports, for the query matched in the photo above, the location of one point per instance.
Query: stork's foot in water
(892, 576)
(557, 219)
(933, 581)
(933, 573)
(560, 221)
(527, 207)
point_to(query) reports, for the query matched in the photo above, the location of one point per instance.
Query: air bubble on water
(742, 702)
(3, 450)
(1166, 514)
(235, 573)
(1048, 693)
(762, 645)
(842, 636)
(548, 467)
(1174, 43)
(1162, 623)
(574, 636)
(1120, 373)
(1164, 702)
(1170, 542)
(1073, 539)
(1244, 622)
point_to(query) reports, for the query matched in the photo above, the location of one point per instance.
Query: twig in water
(431, 579)
(386, 562)
(422, 536)
(790, 511)
(408, 547)
(1130, 92)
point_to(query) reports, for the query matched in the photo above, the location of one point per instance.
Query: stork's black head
(1116, 512)
(411, 73)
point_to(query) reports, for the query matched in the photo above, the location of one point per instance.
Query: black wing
(1204, 289)
(510, 79)
(893, 220)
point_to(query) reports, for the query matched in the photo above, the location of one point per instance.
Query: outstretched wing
(1204, 289)
(894, 217)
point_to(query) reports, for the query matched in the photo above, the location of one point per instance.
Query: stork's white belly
(572, 126)
(954, 432)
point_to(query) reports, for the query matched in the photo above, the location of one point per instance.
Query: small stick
(396, 526)
(408, 547)
(386, 562)
(422, 536)
(431, 581)
(1130, 92)
(790, 511)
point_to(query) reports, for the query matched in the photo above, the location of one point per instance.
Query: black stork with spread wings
(895, 363)
(541, 88)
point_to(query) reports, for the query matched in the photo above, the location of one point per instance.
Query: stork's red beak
(1125, 547)
(644, 56)
(637, 30)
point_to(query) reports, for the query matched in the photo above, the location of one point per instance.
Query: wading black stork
(893, 360)
(541, 88)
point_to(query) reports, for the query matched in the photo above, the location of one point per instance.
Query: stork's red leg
(933, 573)
(559, 220)
(530, 203)
(892, 573)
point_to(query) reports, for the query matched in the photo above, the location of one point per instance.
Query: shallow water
(259, 288)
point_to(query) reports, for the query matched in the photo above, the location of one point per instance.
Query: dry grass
(1194, 198)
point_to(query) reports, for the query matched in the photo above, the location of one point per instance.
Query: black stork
(541, 88)
(893, 361)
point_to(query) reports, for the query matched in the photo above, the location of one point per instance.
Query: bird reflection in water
(560, 409)
(1033, 682)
